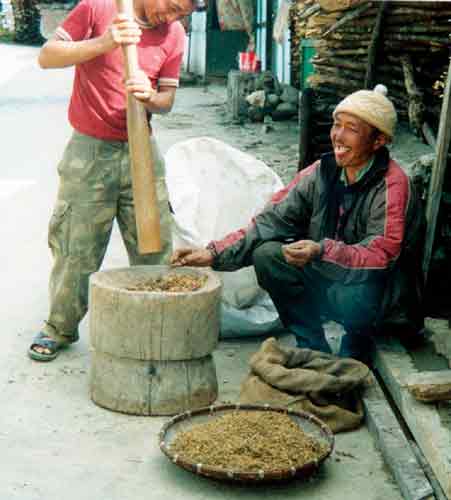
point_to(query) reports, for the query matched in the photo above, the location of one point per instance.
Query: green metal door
(307, 51)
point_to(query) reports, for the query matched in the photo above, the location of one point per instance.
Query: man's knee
(265, 259)
(266, 253)
(358, 306)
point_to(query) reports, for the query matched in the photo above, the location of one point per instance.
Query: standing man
(342, 241)
(95, 180)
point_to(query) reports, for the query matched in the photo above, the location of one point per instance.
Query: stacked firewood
(416, 35)
(309, 19)
(404, 45)
(297, 33)
(306, 19)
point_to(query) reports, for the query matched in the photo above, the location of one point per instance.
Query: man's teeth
(342, 149)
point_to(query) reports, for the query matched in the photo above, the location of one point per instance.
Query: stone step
(393, 444)
(430, 386)
(430, 424)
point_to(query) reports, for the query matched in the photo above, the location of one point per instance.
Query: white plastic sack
(259, 319)
(215, 189)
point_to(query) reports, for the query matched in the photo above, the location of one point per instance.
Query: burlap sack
(302, 379)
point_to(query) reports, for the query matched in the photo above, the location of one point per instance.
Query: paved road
(55, 442)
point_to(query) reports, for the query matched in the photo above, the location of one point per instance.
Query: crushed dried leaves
(249, 441)
(170, 283)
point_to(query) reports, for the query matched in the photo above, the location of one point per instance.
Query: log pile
(297, 33)
(404, 45)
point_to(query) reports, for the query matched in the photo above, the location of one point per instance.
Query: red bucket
(248, 62)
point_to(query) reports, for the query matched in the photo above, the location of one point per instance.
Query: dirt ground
(56, 443)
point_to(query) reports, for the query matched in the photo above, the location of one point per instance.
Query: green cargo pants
(95, 188)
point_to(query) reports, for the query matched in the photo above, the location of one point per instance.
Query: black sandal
(46, 342)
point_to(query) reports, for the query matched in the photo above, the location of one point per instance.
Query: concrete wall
(280, 54)
(262, 33)
(195, 59)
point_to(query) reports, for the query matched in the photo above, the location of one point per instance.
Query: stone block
(239, 86)
(393, 444)
(427, 424)
(430, 386)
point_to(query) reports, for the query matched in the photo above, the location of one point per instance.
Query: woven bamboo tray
(308, 422)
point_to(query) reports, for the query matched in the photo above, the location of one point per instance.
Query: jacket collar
(380, 166)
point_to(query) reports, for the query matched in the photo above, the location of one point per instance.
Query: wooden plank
(350, 16)
(393, 444)
(438, 492)
(438, 174)
(305, 112)
(416, 106)
(430, 386)
(433, 437)
(429, 135)
(374, 45)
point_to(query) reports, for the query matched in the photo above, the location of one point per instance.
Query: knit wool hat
(371, 106)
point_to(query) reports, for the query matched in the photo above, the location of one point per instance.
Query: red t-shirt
(98, 104)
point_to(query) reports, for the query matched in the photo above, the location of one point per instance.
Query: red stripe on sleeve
(283, 193)
(383, 248)
(278, 197)
(231, 238)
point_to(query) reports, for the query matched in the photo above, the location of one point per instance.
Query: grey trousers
(95, 189)
(305, 299)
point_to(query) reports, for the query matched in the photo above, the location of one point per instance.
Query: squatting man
(341, 241)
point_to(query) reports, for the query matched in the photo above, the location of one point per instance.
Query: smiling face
(166, 11)
(354, 141)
